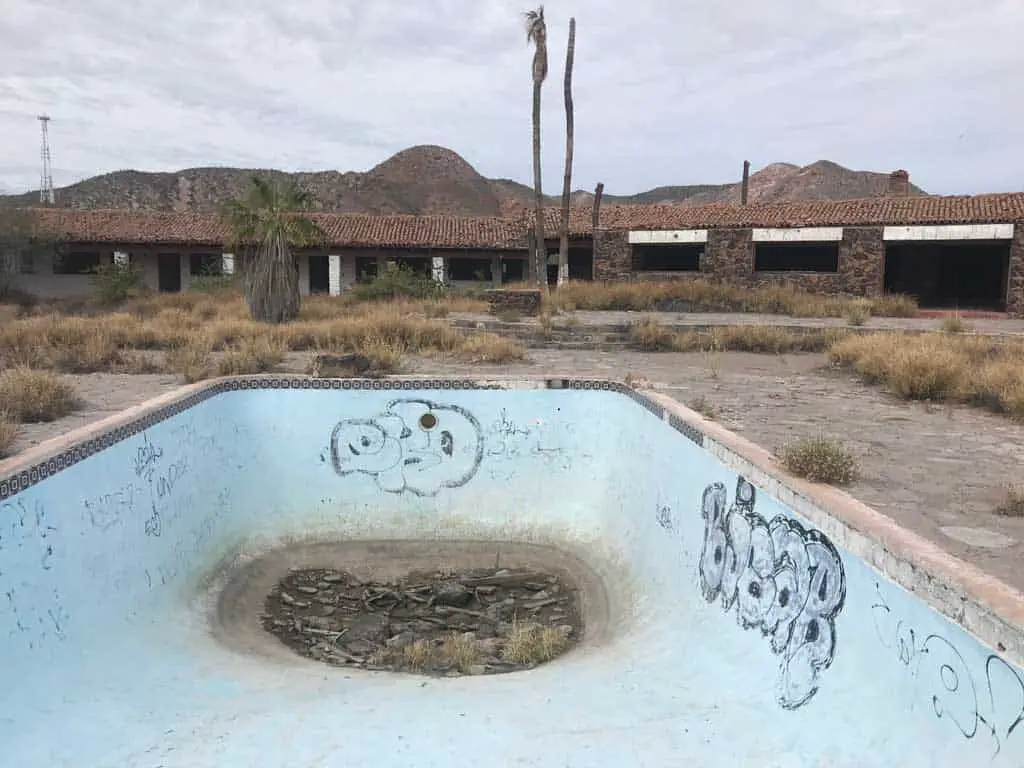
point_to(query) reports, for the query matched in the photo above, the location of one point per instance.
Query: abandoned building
(949, 252)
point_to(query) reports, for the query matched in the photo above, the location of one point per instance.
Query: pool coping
(985, 606)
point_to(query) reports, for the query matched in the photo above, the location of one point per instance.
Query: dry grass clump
(954, 324)
(977, 370)
(651, 336)
(32, 396)
(820, 460)
(530, 643)
(703, 406)
(208, 334)
(488, 348)
(858, 312)
(1012, 503)
(701, 295)
(460, 650)
(9, 431)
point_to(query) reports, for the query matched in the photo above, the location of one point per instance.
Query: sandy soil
(937, 469)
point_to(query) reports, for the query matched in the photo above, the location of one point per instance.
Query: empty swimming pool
(731, 620)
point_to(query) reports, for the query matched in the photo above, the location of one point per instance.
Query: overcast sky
(666, 91)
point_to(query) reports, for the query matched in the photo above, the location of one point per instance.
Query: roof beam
(950, 232)
(666, 236)
(798, 235)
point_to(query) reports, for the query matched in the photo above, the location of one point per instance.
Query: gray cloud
(666, 92)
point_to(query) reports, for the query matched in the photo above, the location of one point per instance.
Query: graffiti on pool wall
(784, 579)
(413, 446)
(987, 704)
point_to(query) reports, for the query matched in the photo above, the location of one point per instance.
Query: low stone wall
(524, 301)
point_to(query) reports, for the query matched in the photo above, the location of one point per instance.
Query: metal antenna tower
(46, 196)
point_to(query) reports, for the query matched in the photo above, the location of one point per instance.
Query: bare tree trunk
(540, 257)
(563, 240)
(595, 222)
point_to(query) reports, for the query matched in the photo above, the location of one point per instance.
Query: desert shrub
(651, 336)
(954, 324)
(820, 460)
(703, 406)
(398, 282)
(9, 431)
(33, 396)
(113, 283)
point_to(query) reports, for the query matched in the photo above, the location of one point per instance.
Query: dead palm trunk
(536, 32)
(595, 222)
(563, 240)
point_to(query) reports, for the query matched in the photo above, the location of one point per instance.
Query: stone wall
(729, 256)
(862, 261)
(524, 301)
(1015, 278)
(612, 256)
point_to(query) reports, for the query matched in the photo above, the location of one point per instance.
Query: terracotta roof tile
(352, 230)
(492, 232)
(874, 211)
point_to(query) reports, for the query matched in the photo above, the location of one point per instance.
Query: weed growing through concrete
(954, 324)
(703, 406)
(820, 460)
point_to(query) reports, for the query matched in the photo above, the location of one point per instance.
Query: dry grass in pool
(467, 623)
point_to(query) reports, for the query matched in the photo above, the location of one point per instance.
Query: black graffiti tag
(989, 703)
(785, 580)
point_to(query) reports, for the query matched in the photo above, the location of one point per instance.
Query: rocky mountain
(436, 180)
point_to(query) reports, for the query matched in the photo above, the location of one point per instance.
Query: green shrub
(114, 283)
(398, 282)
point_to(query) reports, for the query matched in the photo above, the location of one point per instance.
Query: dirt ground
(939, 470)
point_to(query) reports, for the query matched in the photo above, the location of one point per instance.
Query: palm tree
(563, 240)
(266, 223)
(537, 33)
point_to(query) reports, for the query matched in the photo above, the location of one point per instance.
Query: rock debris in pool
(471, 622)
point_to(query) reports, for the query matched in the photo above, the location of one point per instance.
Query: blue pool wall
(119, 531)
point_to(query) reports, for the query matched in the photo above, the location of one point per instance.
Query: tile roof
(876, 211)
(511, 233)
(343, 230)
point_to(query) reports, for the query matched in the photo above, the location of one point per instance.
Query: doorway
(950, 274)
(319, 273)
(168, 270)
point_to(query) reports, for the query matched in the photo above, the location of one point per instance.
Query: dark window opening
(366, 269)
(581, 263)
(205, 265)
(27, 262)
(470, 270)
(77, 263)
(418, 265)
(670, 257)
(950, 275)
(796, 257)
(319, 273)
(513, 270)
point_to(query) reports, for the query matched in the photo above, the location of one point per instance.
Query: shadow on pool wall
(744, 615)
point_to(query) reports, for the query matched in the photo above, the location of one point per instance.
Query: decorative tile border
(17, 482)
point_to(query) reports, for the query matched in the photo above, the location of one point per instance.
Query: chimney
(899, 184)
(745, 187)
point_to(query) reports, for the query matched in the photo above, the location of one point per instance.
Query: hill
(435, 180)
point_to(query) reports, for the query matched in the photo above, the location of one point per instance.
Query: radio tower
(46, 196)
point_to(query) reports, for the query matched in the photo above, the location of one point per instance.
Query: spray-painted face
(415, 446)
